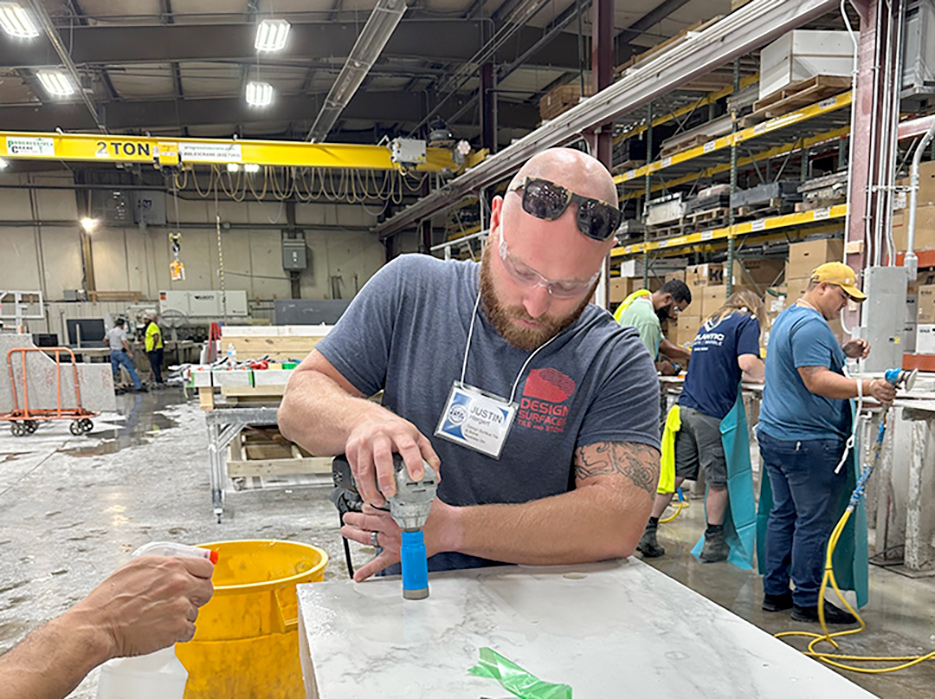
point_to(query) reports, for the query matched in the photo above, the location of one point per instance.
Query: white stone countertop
(614, 629)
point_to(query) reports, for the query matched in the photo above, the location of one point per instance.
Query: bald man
(539, 412)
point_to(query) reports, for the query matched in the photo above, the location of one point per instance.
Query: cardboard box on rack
(925, 338)
(764, 271)
(926, 305)
(708, 274)
(795, 289)
(621, 287)
(806, 256)
(683, 332)
(713, 297)
(925, 228)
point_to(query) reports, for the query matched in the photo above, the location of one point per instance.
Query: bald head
(573, 170)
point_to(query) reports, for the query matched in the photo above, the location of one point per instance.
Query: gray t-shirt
(406, 333)
(115, 337)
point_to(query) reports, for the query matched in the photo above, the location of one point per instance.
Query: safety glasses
(527, 276)
(548, 201)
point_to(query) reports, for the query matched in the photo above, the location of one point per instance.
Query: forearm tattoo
(638, 462)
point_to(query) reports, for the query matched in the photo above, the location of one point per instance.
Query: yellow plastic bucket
(246, 642)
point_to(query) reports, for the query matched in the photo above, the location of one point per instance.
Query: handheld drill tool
(410, 507)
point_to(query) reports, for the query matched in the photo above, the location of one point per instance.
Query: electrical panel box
(919, 50)
(883, 316)
(407, 151)
(203, 304)
(149, 207)
(294, 254)
(803, 54)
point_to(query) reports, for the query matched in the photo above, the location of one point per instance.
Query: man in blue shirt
(726, 348)
(805, 421)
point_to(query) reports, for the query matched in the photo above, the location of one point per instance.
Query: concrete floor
(73, 508)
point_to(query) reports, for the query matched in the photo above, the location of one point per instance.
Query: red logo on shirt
(543, 394)
(549, 384)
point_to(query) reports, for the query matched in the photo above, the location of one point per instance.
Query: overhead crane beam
(159, 152)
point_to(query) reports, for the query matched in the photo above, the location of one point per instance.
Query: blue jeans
(120, 358)
(806, 493)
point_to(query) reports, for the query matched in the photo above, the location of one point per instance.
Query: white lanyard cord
(470, 334)
(468, 347)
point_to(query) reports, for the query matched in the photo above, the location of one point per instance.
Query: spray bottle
(158, 675)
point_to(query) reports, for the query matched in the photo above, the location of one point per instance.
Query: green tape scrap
(515, 679)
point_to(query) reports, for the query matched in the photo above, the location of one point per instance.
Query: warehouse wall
(48, 257)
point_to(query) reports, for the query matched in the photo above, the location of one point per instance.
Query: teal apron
(740, 519)
(851, 567)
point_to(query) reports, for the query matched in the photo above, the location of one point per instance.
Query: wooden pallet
(102, 296)
(795, 96)
(265, 452)
(812, 204)
(776, 207)
(698, 140)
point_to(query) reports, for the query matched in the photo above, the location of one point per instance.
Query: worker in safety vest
(646, 312)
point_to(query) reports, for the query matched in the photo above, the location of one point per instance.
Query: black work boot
(648, 545)
(715, 545)
(833, 615)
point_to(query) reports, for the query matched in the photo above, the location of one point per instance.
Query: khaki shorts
(698, 445)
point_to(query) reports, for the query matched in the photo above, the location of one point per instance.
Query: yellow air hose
(834, 659)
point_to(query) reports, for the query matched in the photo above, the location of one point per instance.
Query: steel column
(488, 128)
(602, 63)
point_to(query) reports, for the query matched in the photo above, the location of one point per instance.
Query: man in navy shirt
(805, 421)
(567, 475)
(726, 348)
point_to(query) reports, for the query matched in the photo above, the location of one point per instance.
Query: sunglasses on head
(548, 201)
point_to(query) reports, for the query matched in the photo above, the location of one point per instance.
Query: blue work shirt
(801, 337)
(713, 372)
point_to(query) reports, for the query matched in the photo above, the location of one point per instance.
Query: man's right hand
(883, 391)
(371, 443)
(148, 604)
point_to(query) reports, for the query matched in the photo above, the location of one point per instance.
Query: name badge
(476, 420)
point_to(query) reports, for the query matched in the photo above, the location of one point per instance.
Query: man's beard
(501, 316)
(663, 314)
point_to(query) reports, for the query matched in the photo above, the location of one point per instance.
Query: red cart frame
(25, 421)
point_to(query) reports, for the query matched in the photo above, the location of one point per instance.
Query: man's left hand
(666, 368)
(358, 527)
(857, 349)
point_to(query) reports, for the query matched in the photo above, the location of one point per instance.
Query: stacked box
(708, 274)
(561, 99)
(621, 287)
(806, 256)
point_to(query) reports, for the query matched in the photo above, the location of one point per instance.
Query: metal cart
(25, 420)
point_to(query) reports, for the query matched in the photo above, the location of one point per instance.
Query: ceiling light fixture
(15, 21)
(89, 224)
(271, 35)
(233, 167)
(251, 168)
(259, 94)
(56, 83)
(3, 164)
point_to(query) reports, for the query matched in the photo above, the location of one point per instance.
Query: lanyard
(468, 347)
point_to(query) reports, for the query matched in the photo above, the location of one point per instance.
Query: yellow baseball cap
(841, 275)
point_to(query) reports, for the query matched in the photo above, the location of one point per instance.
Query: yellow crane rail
(165, 151)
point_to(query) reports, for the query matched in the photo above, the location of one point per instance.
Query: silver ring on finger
(373, 540)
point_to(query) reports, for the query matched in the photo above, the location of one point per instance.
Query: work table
(613, 629)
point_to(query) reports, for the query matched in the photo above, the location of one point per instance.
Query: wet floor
(72, 509)
(900, 615)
